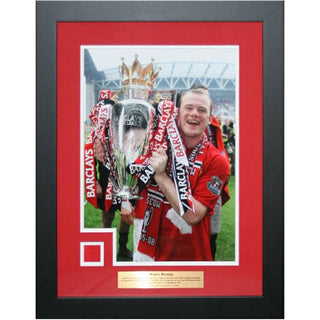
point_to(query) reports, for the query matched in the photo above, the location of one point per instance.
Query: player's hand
(126, 213)
(158, 161)
(99, 151)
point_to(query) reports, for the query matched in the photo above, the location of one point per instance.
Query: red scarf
(155, 206)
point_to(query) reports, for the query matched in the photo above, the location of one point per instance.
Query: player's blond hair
(199, 91)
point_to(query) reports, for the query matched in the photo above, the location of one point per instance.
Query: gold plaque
(160, 279)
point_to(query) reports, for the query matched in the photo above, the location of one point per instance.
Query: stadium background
(218, 77)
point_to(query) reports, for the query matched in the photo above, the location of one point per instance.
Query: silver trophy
(130, 123)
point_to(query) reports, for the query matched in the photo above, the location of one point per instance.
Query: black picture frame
(271, 304)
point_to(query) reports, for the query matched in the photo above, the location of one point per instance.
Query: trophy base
(125, 193)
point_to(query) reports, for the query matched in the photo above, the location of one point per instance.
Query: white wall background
(17, 236)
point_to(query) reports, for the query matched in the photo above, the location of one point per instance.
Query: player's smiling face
(194, 116)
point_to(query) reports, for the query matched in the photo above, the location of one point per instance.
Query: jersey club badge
(215, 185)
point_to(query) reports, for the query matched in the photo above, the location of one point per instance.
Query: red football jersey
(215, 137)
(177, 240)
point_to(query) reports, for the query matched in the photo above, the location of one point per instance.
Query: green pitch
(226, 237)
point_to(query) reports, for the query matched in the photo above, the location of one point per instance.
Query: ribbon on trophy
(89, 170)
(99, 116)
(179, 171)
(166, 131)
(157, 139)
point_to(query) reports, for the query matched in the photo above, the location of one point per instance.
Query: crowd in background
(228, 135)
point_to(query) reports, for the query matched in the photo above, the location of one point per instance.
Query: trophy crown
(137, 74)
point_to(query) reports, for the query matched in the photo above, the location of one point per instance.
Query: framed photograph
(84, 264)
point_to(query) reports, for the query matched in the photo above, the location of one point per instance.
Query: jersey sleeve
(209, 184)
